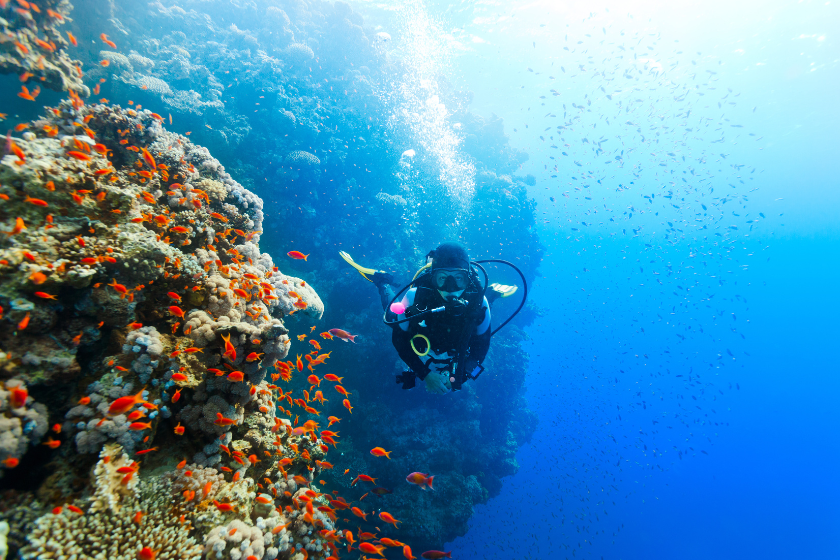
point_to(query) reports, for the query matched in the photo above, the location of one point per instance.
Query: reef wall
(289, 97)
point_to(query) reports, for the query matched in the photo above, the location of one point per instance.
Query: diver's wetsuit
(442, 331)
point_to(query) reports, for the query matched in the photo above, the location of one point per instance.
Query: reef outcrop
(35, 47)
(131, 270)
(288, 97)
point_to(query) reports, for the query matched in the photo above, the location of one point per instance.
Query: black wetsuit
(445, 331)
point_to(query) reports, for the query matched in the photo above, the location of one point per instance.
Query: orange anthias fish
(326, 335)
(124, 404)
(147, 553)
(222, 421)
(107, 41)
(230, 349)
(149, 159)
(236, 376)
(368, 548)
(177, 311)
(388, 518)
(379, 452)
(420, 480)
(297, 255)
(343, 335)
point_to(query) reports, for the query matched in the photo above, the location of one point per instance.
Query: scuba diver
(444, 333)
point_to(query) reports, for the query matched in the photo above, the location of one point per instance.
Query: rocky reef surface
(289, 97)
(140, 319)
(33, 45)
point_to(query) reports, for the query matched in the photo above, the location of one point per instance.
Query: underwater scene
(321, 279)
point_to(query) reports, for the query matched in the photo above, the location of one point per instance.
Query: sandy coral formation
(23, 422)
(237, 540)
(4, 545)
(35, 45)
(118, 535)
(112, 485)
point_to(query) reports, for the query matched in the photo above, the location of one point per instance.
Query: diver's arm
(480, 341)
(402, 343)
(479, 345)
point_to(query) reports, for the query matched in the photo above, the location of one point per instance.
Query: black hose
(524, 289)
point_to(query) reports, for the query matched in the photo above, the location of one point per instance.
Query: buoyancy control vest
(449, 330)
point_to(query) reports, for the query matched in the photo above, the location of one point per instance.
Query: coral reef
(4, 545)
(118, 523)
(189, 293)
(35, 46)
(165, 289)
(23, 422)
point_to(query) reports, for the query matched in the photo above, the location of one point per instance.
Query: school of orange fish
(149, 168)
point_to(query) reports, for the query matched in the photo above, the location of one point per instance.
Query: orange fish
(136, 426)
(333, 377)
(254, 357)
(388, 518)
(174, 296)
(179, 377)
(149, 159)
(118, 287)
(73, 40)
(224, 507)
(342, 390)
(297, 255)
(124, 404)
(36, 201)
(299, 363)
(147, 553)
(343, 335)
(230, 349)
(236, 376)
(313, 380)
(315, 344)
(136, 415)
(45, 295)
(407, 553)
(379, 452)
(81, 156)
(222, 421)
(177, 311)
(420, 480)
(107, 41)
(179, 429)
(10, 462)
(52, 443)
(176, 396)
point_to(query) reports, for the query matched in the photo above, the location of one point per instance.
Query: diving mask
(450, 279)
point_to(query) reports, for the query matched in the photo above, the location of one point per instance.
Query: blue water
(757, 478)
(684, 370)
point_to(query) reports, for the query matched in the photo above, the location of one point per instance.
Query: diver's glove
(437, 382)
(380, 278)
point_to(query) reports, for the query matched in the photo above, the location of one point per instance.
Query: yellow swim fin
(503, 291)
(364, 271)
